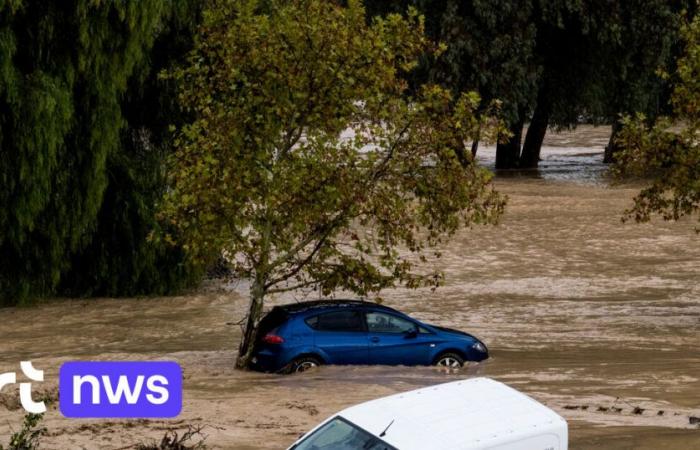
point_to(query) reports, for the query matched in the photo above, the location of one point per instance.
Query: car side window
(386, 323)
(337, 321)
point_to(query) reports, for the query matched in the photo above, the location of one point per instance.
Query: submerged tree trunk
(613, 147)
(475, 143)
(461, 153)
(245, 351)
(532, 147)
(508, 153)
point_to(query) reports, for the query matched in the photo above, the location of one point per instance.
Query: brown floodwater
(590, 316)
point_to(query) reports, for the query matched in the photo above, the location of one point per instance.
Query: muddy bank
(592, 317)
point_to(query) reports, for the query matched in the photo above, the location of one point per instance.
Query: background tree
(551, 62)
(489, 48)
(68, 72)
(306, 164)
(599, 59)
(120, 259)
(669, 155)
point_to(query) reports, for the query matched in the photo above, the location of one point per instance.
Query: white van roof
(476, 413)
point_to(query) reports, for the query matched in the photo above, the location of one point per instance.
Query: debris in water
(637, 410)
(302, 406)
(694, 420)
(581, 407)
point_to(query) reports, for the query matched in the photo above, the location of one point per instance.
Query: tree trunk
(508, 153)
(532, 147)
(475, 143)
(461, 153)
(245, 351)
(612, 147)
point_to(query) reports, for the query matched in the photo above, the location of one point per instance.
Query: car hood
(453, 331)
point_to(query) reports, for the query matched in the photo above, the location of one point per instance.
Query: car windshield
(339, 434)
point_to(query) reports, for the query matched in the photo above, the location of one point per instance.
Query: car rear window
(271, 321)
(337, 321)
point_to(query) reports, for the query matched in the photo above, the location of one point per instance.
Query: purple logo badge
(120, 389)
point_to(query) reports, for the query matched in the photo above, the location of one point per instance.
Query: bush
(28, 437)
(173, 441)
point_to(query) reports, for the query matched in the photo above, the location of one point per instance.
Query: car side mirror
(411, 334)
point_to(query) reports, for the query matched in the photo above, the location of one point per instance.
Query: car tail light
(273, 339)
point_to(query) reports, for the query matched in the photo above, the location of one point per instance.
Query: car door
(396, 340)
(341, 336)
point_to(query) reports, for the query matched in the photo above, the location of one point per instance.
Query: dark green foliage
(65, 68)
(667, 152)
(559, 60)
(489, 46)
(121, 259)
(28, 437)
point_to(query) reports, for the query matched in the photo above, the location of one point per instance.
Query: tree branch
(296, 286)
(300, 265)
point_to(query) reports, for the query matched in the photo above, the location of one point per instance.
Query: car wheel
(450, 361)
(303, 364)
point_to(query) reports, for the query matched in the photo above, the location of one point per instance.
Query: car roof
(473, 413)
(293, 308)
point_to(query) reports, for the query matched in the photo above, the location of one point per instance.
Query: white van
(477, 413)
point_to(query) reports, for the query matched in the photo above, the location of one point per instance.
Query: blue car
(296, 337)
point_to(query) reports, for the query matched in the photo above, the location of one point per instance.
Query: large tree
(668, 151)
(551, 62)
(307, 164)
(119, 258)
(489, 48)
(70, 78)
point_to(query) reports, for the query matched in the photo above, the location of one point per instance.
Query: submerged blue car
(296, 337)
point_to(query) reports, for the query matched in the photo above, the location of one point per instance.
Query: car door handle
(374, 339)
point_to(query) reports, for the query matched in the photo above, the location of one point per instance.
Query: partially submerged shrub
(173, 441)
(28, 437)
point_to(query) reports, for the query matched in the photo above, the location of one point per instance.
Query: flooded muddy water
(596, 319)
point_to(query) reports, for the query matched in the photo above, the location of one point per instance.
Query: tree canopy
(551, 62)
(69, 72)
(668, 151)
(307, 163)
(84, 116)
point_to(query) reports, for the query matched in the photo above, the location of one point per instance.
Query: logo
(120, 389)
(25, 389)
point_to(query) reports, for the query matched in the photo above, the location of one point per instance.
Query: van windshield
(339, 434)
